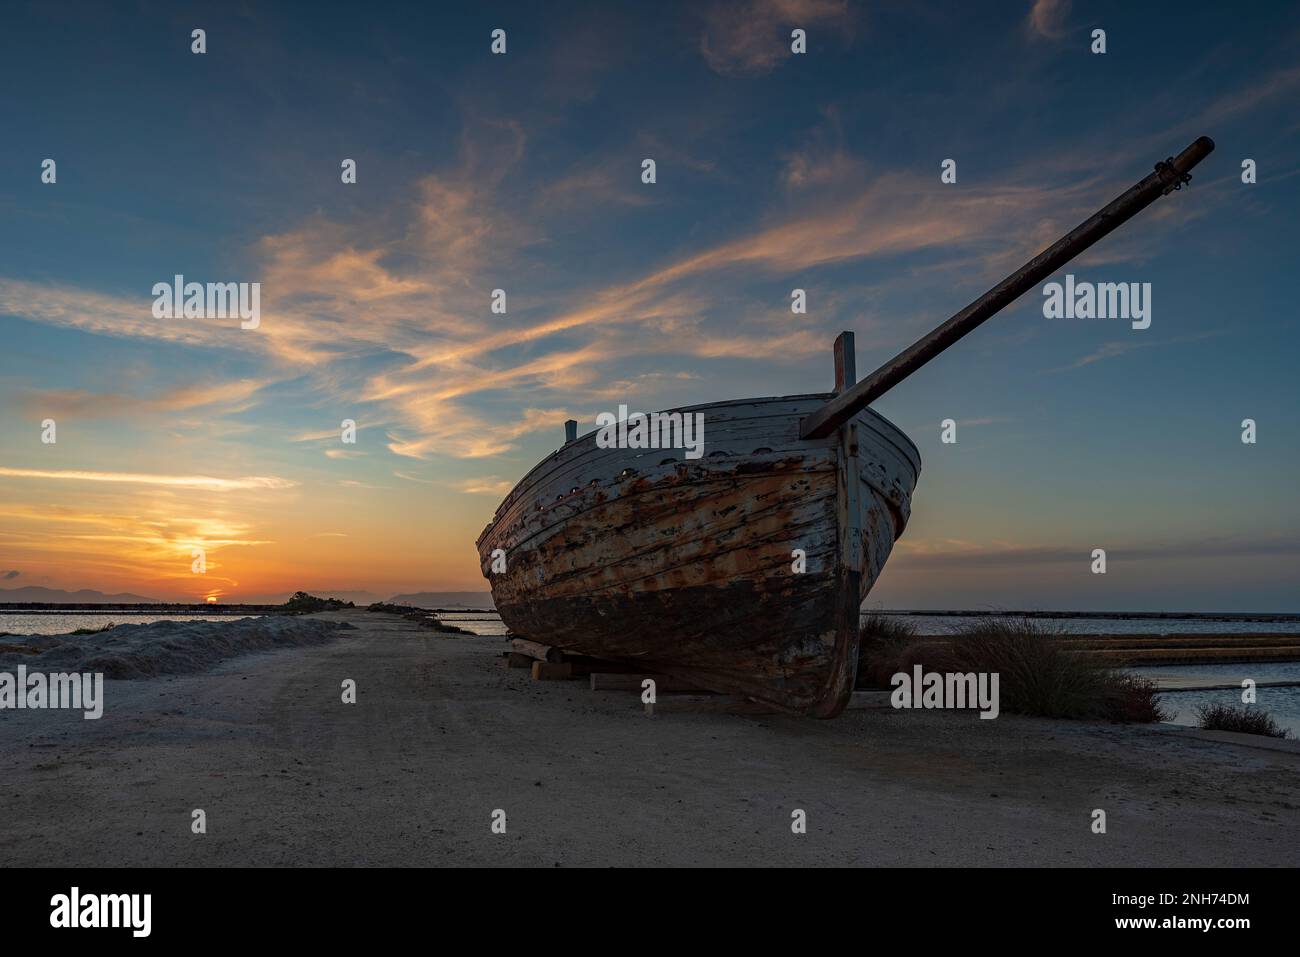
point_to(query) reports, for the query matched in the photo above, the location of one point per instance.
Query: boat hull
(742, 571)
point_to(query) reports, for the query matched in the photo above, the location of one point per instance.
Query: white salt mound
(163, 647)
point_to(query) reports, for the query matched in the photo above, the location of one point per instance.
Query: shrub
(302, 604)
(1245, 719)
(882, 642)
(1036, 675)
(385, 608)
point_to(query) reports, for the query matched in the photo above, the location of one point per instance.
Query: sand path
(439, 738)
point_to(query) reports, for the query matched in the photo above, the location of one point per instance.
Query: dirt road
(440, 738)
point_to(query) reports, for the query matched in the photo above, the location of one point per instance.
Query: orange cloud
(490, 485)
(204, 482)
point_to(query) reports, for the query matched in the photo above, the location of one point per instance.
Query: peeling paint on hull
(684, 566)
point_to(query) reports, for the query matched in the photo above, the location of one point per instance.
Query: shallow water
(37, 624)
(479, 622)
(1282, 703)
(1118, 625)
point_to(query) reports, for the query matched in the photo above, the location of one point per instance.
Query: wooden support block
(514, 659)
(550, 671)
(535, 649)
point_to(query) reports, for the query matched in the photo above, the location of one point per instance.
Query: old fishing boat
(743, 570)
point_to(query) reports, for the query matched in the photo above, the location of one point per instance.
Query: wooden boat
(743, 571)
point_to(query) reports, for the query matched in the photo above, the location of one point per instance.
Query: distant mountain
(35, 593)
(445, 599)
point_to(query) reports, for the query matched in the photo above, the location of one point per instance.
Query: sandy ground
(439, 738)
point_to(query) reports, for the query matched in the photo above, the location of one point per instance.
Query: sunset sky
(523, 172)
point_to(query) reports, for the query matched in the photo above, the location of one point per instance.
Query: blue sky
(522, 171)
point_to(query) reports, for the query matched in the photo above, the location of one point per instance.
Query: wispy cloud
(592, 191)
(479, 437)
(489, 485)
(408, 477)
(205, 482)
(231, 396)
(112, 315)
(1120, 347)
(331, 434)
(752, 37)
